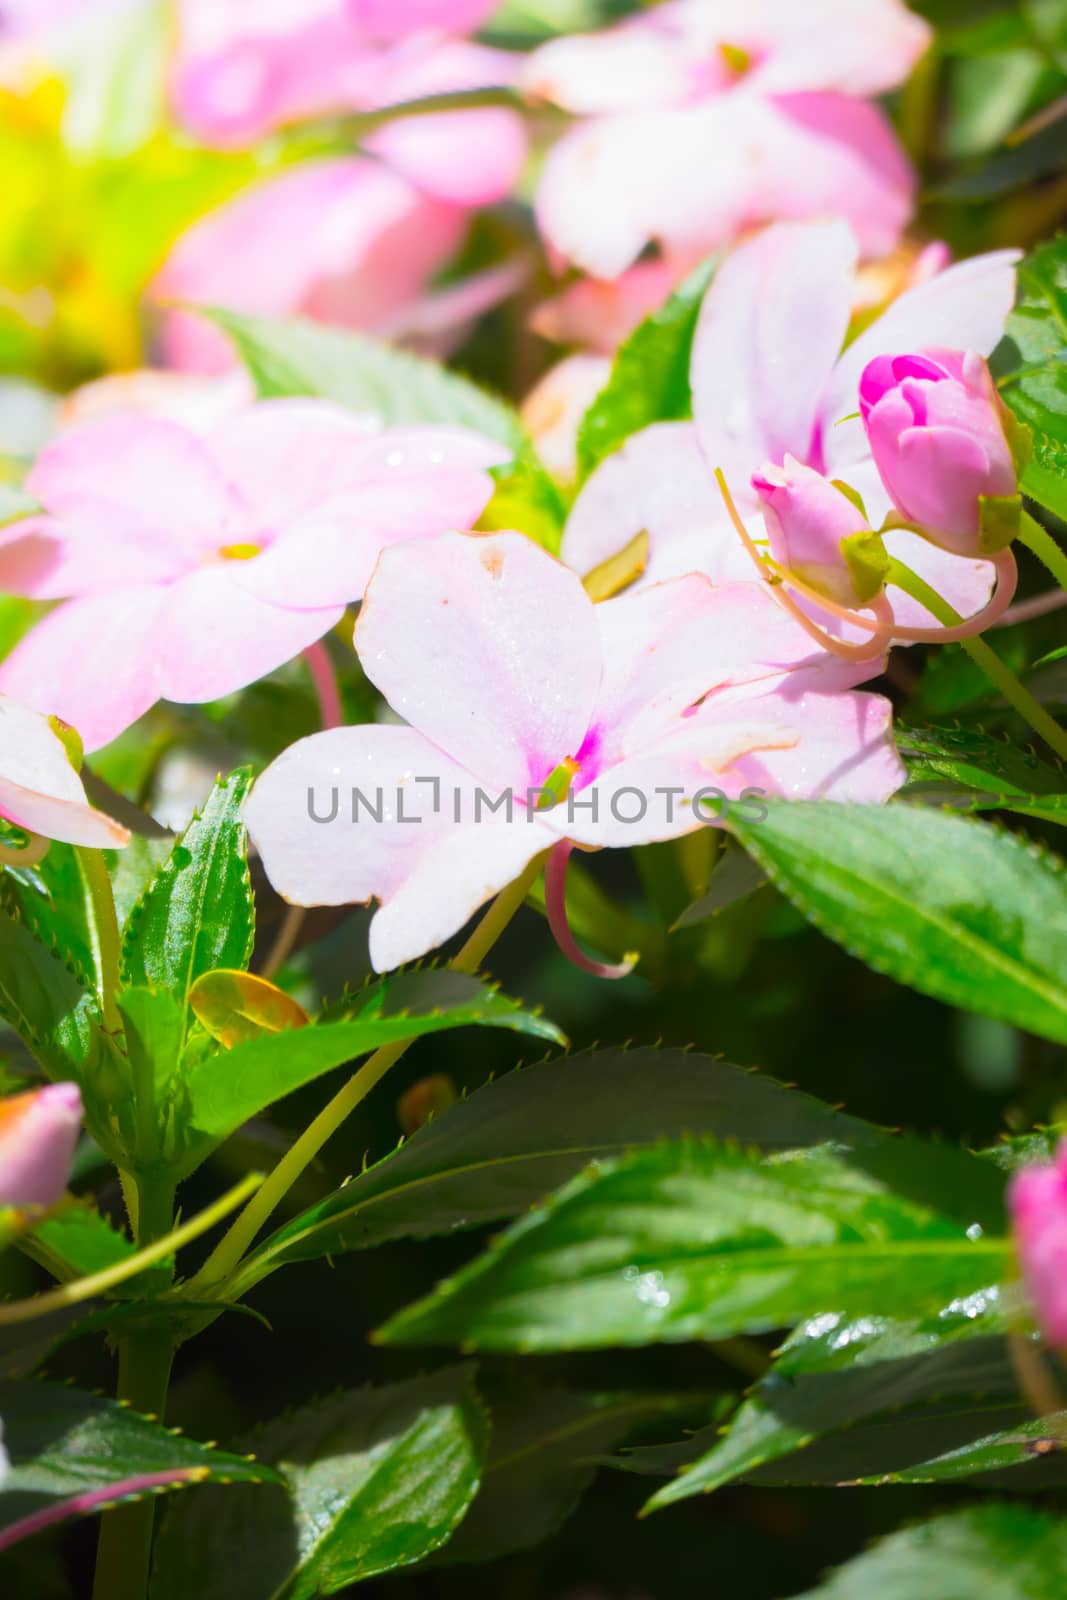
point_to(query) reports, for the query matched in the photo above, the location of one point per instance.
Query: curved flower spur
(537, 721)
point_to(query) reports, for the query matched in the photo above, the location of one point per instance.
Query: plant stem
(146, 1354)
(1041, 544)
(103, 931)
(1020, 699)
(228, 1252)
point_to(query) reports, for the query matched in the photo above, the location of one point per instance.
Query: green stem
(103, 931)
(980, 653)
(227, 1255)
(146, 1354)
(1041, 544)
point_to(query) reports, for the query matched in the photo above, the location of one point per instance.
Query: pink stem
(1039, 606)
(556, 907)
(325, 682)
(95, 1499)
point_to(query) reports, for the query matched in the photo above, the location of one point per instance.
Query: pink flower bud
(1037, 1200)
(937, 431)
(819, 532)
(38, 1132)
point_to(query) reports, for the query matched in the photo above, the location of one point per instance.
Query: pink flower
(708, 119)
(40, 791)
(770, 379)
(1037, 1201)
(553, 410)
(512, 682)
(38, 1133)
(196, 563)
(809, 525)
(936, 428)
(599, 313)
(393, 19)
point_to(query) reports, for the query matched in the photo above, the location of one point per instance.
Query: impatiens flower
(1038, 1205)
(599, 313)
(393, 19)
(937, 431)
(38, 1133)
(198, 403)
(536, 718)
(707, 118)
(40, 792)
(816, 531)
(195, 563)
(553, 411)
(769, 379)
(354, 240)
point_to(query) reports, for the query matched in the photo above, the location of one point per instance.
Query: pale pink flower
(38, 1133)
(709, 117)
(770, 379)
(394, 19)
(1037, 1200)
(599, 313)
(808, 520)
(40, 791)
(936, 428)
(510, 679)
(198, 403)
(192, 564)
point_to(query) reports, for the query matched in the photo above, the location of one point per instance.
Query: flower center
(239, 552)
(556, 786)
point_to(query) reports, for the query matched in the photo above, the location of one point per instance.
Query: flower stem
(228, 1253)
(324, 679)
(1020, 699)
(103, 931)
(1041, 544)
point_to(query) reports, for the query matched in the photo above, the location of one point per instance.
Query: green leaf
(650, 377)
(46, 1003)
(793, 1405)
(541, 1461)
(956, 1557)
(197, 913)
(51, 900)
(514, 1140)
(1037, 389)
(222, 1092)
(971, 770)
(362, 374)
(699, 1241)
(377, 1479)
(154, 1031)
(951, 907)
(77, 1241)
(1045, 476)
(73, 1453)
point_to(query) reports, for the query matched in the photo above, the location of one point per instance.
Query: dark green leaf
(197, 912)
(72, 1453)
(51, 900)
(514, 1140)
(1022, 1552)
(77, 1241)
(950, 906)
(650, 378)
(699, 1241)
(377, 1479)
(220, 1092)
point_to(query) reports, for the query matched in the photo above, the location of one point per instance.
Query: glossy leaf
(377, 1479)
(197, 913)
(73, 1453)
(1037, 389)
(699, 1241)
(955, 1557)
(950, 906)
(50, 899)
(650, 377)
(220, 1094)
(970, 769)
(511, 1142)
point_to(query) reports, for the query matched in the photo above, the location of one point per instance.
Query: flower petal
(487, 646)
(214, 637)
(91, 662)
(429, 872)
(770, 329)
(38, 1133)
(39, 788)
